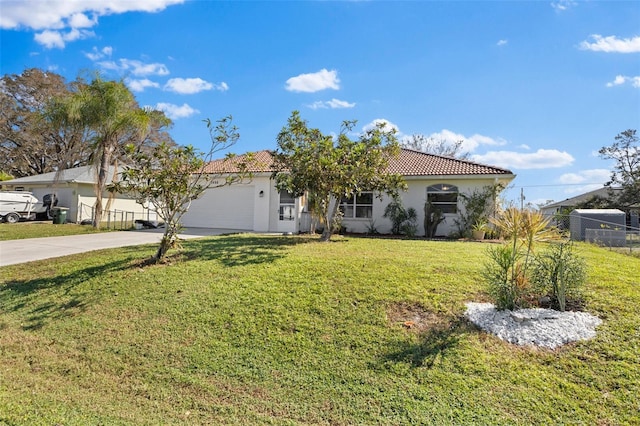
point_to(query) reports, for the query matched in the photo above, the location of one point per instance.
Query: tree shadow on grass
(432, 345)
(238, 250)
(43, 300)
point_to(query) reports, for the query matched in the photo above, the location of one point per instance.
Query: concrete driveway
(22, 251)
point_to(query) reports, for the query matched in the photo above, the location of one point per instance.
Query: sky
(537, 87)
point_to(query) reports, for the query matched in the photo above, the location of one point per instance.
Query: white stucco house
(74, 189)
(256, 205)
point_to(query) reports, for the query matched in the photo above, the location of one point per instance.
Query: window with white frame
(443, 197)
(287, 206)
(359, 206)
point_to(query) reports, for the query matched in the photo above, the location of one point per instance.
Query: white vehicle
(16, 205)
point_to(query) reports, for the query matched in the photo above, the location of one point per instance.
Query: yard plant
(249, 329)
(507, 269)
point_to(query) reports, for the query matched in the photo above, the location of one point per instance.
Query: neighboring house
(569, 204)
(256, 205)
(74, 189)
(559, 212)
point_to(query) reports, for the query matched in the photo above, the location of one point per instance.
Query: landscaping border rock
(539, 327)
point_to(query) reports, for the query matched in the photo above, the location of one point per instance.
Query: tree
(170, 177)
(430, 145)
(28, 144)
(307, 161)
(111, 118)
(625, 151)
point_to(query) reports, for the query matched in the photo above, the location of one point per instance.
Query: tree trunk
(168, 239)
(165, 245)
(102, 179)
(329, 218)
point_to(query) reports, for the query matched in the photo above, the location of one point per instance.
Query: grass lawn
(287, 330)
(21, 230)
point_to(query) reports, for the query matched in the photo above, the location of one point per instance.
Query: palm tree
(112, 118)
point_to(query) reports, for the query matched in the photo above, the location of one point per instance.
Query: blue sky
(537, 87)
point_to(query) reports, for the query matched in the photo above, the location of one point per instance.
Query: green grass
(287, 330)
(22, 230)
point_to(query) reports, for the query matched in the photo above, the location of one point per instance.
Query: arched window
(443, 197)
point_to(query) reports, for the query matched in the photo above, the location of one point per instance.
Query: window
(443, 197)
(287, 206)
(360, 206)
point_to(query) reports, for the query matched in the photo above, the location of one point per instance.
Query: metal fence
(619, 239)
(115, 219)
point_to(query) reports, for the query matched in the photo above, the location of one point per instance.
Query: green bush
(403, 221)
(504, 275)
(507, 271)
(558, 272)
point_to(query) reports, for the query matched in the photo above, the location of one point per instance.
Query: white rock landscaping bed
(540, 327)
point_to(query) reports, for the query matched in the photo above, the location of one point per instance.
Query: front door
(287, 213)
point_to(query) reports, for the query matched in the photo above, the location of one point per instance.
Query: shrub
(508, 267)
(478, 206)
(403, 221)
(559, 272)
(505, 278)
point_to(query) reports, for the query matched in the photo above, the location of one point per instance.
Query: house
(256, 205)
(566, 206)
(75, 190)
(558, 212)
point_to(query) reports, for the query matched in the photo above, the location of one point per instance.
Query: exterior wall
(121, 208)
(80, 198)
(416, 196)
(264, 196)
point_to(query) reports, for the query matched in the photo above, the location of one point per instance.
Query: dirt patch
(414, 317)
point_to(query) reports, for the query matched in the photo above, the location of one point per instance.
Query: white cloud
(58, 39)
(54, 17)
(314, 82)
(584, 180)
(96, 54)
(592, 176)
(502, 42)
(189, 86)
(140, 85)
(135, 67)
(524, 146)
(80, 20)
(333, 104)
(386, 126)
(541, 159)
(469, 143)
(562, 5)
(50, 39)
(59, 14)
(621, 79)
(175, 112)
(612, 44)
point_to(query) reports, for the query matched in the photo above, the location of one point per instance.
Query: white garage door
(228, 207)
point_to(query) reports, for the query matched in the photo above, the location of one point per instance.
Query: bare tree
(30, 145)
(430, 145)
(625, 151)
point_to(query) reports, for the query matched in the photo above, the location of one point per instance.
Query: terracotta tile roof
(415, 163)
(409, 163)
(262, 162)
